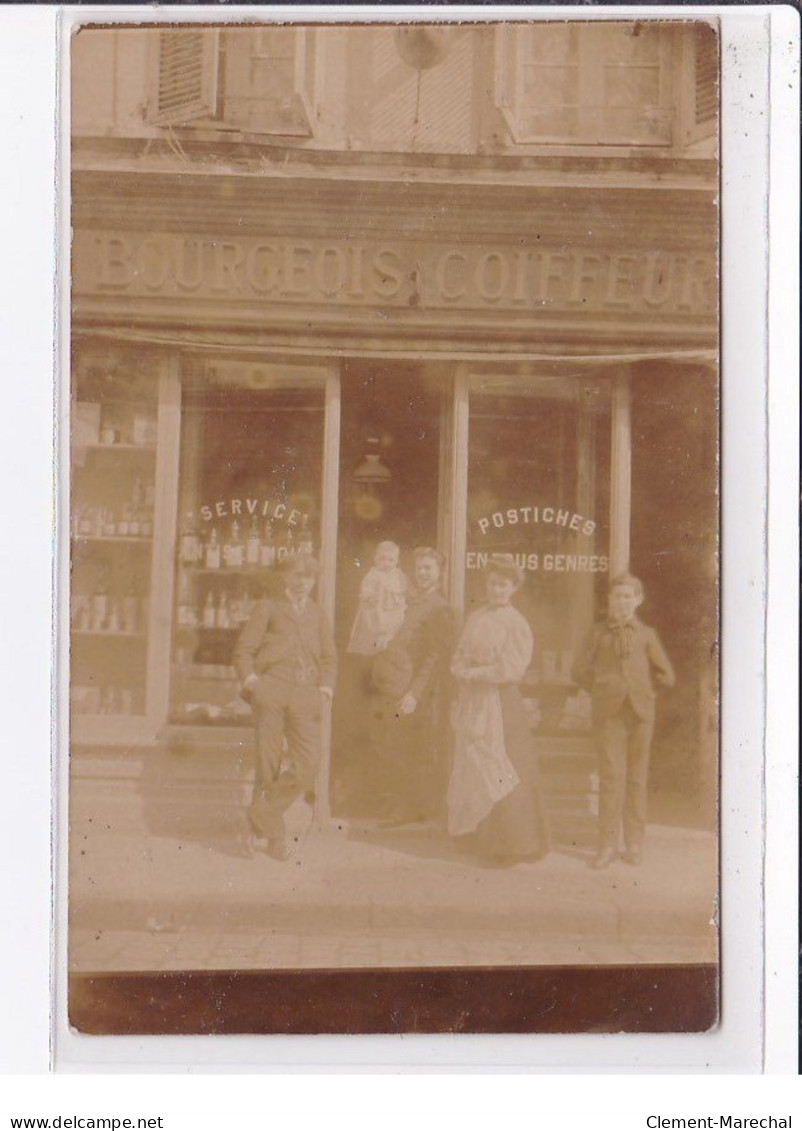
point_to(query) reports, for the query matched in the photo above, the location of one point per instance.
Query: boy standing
(617, 667)
(286, 660)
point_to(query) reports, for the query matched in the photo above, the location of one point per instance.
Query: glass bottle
(254, 544)
(209, 611)
(305, 543)
(236, 547)
(100, 603)
(130, 609)
(189, 540)
(223, 614)
(113, 624)
(267, 552)
(290, 547)
(213, 550)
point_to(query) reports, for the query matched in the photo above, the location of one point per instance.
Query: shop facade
(476, 353)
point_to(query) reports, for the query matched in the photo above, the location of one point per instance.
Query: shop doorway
(391, 490)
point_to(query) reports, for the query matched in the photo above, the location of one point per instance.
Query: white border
(737, 1045)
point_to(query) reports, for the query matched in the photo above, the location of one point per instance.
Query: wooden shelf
(139, 635)
(227, 571)
(118, 447)
(124, 538)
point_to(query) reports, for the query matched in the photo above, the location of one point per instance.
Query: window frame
(209, 112)
(509, 46)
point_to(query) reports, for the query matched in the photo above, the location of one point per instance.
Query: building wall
(369, 94)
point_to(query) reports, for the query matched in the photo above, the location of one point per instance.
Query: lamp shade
(421, 47)
(370, 469)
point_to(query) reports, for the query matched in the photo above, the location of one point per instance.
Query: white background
(27, 243)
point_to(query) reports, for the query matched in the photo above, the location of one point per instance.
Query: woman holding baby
(408, 703)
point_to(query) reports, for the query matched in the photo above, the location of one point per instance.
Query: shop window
(593, 84)
(114, 427)
(250, 494)
(539, 491)
(255, 80)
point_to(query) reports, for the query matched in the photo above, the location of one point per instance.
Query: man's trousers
(287, 718)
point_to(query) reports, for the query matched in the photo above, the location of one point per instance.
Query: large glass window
(114, 409)
(538, 489)
(250, 494)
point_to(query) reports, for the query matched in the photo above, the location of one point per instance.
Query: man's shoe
(633, 856)
(278, 849)
(604, 859)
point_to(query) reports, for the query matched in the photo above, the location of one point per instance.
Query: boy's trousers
(623, 742)
(284, 769)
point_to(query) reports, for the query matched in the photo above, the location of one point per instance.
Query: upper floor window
(601, 83)
(256, 79)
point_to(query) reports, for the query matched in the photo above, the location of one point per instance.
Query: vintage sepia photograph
(393, 648)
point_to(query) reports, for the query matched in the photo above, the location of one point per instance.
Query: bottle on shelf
(190, 543)
(223, 613)
(254, 544)
(212, 558)
(100, 602)
(209, 611)
(113, 622)
(234, 548)
(146, 522)
(108, 703)
(305, 543)
(267, 551)
(109, 524)
(129, 609)
(289, 546)
(124, 525)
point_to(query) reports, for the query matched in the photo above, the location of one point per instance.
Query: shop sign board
(423, 274)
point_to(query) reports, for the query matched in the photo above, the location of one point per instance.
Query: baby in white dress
(382, 603)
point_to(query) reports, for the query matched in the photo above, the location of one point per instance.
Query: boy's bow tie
(622, 636)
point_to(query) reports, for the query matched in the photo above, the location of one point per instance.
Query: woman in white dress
(494, 797)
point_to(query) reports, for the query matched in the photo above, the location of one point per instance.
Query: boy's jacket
(618, 664)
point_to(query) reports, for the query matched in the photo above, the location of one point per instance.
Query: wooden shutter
(186, 75)
(699, 92)
(705, 78)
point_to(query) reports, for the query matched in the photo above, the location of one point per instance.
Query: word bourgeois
(362, 273)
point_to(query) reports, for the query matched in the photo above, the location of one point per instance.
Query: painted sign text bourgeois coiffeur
(428, 275)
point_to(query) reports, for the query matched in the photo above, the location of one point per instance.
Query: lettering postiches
(431, 276)
(535, 516)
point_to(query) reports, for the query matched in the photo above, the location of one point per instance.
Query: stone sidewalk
(159, 882)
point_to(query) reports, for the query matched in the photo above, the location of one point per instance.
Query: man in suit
(286, 660)
(618, 667)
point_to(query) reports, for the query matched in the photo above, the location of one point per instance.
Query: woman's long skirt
(516, 827)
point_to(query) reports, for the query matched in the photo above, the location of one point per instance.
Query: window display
(538, 492)
(115, 410)
(249, 497)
